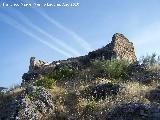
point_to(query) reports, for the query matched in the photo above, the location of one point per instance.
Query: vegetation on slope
(113, 68)
(77, 97)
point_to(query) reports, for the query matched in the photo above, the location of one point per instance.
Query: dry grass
(155, 67)
(72, 104)
(58, 91)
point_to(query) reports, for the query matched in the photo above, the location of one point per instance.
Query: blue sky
(53, 33)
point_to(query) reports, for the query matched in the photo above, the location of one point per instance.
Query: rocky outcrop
(134, 111)
(38, 104)
(38, 66)
(33, 103)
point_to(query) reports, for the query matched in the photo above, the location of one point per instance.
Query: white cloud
(83, 43)
(51, 37)
(76, 37)
(21, 28)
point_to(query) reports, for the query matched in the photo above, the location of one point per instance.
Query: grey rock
(32, 104)
(134, 111)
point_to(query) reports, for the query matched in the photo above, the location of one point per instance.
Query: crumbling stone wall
(35, 64)
(119, 48)
(123, 48)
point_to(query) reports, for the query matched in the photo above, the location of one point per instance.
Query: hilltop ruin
(119, 48)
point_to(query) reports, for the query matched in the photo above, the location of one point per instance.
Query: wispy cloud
(21, 28)
(147, 40)
(83, 43)
(51, 37)
(76, 37)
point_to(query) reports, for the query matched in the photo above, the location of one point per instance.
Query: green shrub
(63, 72)
(49, 80)
(113, 68)
(150, 61)
(84, 60)
(45, 81)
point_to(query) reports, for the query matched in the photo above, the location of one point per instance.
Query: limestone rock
(33, 103)
(134, 111)
(37, 104)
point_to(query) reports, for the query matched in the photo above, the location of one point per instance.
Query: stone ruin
(35, 64)
(123, 48)
(119, 48)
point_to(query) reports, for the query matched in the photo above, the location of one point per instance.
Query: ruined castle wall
(119, 48)
(123, 48)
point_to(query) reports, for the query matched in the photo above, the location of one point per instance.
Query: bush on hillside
(45, 81)
(84, 60)
(101, 91)
(63, 72)
(113, 68)
(150, 62)
(49, 80)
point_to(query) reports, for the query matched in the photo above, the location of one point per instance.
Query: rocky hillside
(107, 84)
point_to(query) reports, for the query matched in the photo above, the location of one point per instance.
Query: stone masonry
(119, 48)
(123, 48)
